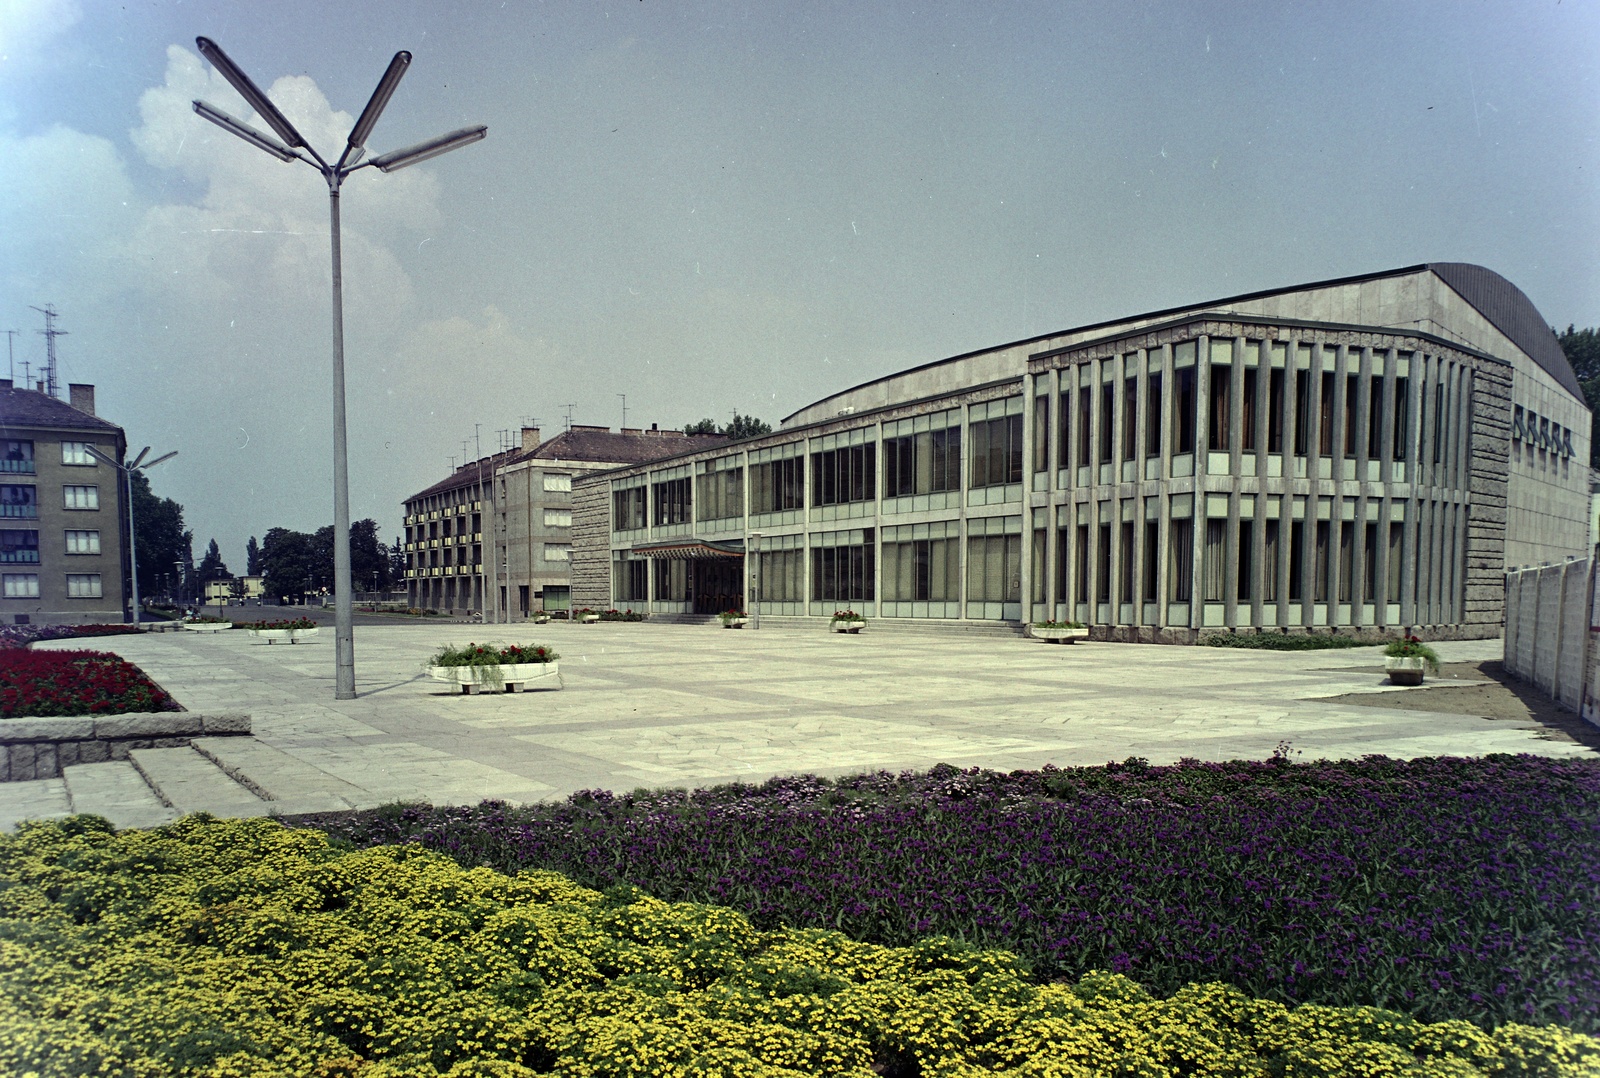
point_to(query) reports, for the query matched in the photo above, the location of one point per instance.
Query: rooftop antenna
(452, 465)
(505, 439)
(568, 407)
(624, 397)
(51, 386)
(11, 352)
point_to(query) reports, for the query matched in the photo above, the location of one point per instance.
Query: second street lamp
(293, 147)
(137, 464)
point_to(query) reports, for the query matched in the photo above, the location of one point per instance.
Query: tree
(1582, 347)
(252, 557)
(160, 539)
(286, 563)
(746, 426)
(397, 565)
(743, 426)
(212, 566)
(369, 557)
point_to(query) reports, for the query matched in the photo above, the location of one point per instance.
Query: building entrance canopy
(688, 549)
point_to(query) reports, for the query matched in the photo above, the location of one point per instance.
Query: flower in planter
(730, 616)
(846, 615)
(492, 655)
(1059, 625)
(297, 623)
(1411, 647)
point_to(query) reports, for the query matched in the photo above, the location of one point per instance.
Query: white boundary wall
(1552, 637)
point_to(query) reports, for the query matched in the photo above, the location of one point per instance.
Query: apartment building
(63, 521)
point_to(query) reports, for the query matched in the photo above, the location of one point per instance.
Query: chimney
(81, 397)
(5, 383)
(530, 438)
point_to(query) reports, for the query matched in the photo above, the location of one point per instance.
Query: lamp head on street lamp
(380, 98)
(249, 91)
(161, 459)
(422, 151)
(104, 458)
(244, 131)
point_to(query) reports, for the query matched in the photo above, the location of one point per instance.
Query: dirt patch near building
(1484, 689)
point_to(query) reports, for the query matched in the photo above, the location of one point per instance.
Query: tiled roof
(583, 445)
(27, 408)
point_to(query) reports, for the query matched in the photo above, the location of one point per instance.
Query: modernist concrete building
(1371, 452)
(526, 496)
(63, 521)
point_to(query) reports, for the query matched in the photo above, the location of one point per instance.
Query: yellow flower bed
(241, 948)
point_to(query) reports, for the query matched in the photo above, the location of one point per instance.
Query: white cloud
(26, 26)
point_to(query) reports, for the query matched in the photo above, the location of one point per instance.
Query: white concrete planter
(276, 636)
(1403, 670)
(512, 677)
(1058, 636)
(848, 626)
(541, 619)
(736, 623)
(206, 626)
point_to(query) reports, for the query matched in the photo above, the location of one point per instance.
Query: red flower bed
(40, 683)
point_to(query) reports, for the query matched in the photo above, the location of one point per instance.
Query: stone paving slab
(116, 791)
(189, 782)
(658, 704)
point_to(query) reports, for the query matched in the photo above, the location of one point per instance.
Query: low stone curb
(40, 748)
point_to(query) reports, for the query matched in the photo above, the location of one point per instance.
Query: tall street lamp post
(137, 464)
(289, 149)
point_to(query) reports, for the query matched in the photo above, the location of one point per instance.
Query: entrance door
(717, 584)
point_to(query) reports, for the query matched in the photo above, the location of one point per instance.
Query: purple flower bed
(1444, 888)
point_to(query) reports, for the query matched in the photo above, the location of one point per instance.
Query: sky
(720, 207)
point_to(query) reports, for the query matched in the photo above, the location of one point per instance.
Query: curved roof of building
(1501, 303)
(1512, 313)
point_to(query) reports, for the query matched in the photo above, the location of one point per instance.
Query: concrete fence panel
(1551, 633)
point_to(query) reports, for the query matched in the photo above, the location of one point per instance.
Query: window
(1325, 436)
(922, 570)
(18, 501)
(843, 572)
(1297, 561)
(1064, 435)
(1245, 576)
(1397, 534)
(1215, 553)
(1041, 433)
(923, 463)
(1275, 410)
(1375, 419)
(629, 579)
(782, 575)
(83, 585)
(778, 486)
(1126, 562)
(844, 475)
(83, 542)
(21, 585)
(1080, 574)
(1369, 588)
(1152, 420)
(1347, 561)
(557, 482)
(721, 493)
(16, 456)
(1152, 550)
(997, 452)
(1102, 576)
(1352, 431)
(557, 552)
(1183, 419)
(1319, 577)
(1085, 419)
(671, 500)
(1401, 412)
(1130, 418)
(994, 568)
(1247, 427)
(1271, 531)
(558, 518)
(19, 546)
(627, 509)
(1108, 413)
(1302, 408)
(672, 580)
(1181, 577)
(81, 497)
(1221, 409)
(77, 453)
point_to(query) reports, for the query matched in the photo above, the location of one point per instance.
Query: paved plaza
(687, 705)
